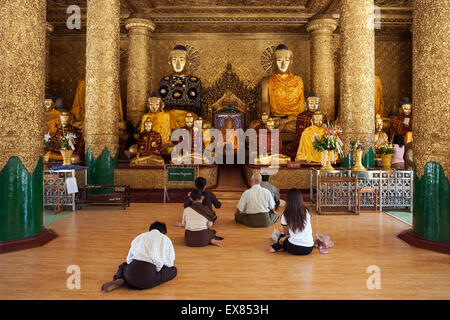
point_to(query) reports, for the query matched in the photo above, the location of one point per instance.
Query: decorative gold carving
(284, 179)
(102, 76)
(193, 58)
(22, 66)
(356, 114)
(267, 59)
(431, 84)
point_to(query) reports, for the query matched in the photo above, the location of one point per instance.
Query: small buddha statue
(380, 136)
(228, 132)
(271, 154)
(149, 147)
(62, 130)
(306, 151)
(379, 101)
(180, 91)
(260, 123)
(189, 126)
(303, 122)
(282, 94)
(402, 123)
(51, 117)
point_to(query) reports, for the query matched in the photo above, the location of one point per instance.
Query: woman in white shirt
(149, 261)
(297, 235)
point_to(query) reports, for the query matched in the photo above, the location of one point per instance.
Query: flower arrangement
(67, 141)
(356, 145)
(387, 148)
(46, 141)
(330, 140)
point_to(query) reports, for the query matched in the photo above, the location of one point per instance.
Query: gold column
(431, 84)
(139, 69)
(322, 61)
(102, 76)
(356, 114)
(22, 84)
(49, 28)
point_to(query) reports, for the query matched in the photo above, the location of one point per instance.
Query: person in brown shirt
(209, 198)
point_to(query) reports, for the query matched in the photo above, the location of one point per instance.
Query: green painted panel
(368, 160)
(347, 162)
(21, 200)
(101, 170)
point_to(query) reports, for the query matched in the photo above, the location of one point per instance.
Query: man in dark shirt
(210, 198)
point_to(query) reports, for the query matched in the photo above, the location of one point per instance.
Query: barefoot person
(256, 206)
(209, 198)
(149, 261)
(197, 221)
(297, 235)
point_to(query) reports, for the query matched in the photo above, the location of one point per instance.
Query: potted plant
(66, 144)
(357, 149)
(385, 151)
(329, 144)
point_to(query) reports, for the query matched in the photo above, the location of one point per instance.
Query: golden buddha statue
(282, 94)
(63, 130)
(51, 117)
(193, 157)
(271, 156)
(149, 147)
(379, 101)
(228, 132)
(159, 118)
(206, 129)
(380, 136)
(305, 149)
(180, 92)
(260, 123)
(402, 123)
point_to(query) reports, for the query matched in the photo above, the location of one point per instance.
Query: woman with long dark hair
(297, 235)
(399, 151)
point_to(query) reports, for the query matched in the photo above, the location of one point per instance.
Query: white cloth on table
(256, 200)
(153, 247)
(71, 185)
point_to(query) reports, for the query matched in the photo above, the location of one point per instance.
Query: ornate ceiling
(224, 16)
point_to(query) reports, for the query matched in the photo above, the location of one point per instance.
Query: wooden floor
(98, 239)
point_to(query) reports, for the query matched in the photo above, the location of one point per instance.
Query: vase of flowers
(357, 149)
(385, 151)
(67, 146)
(329, 144)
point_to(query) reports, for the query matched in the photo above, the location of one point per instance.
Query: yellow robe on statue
(79, 103)
(286, 95)
(178, 118)
(51, 120)
(161, 124)
(379, 101)
(305, 149)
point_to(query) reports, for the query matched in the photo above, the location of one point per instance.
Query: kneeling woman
(149, 262)
(297, 235)
(197, 221)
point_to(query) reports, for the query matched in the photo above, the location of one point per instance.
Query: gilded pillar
(139, 69)
(49, 28)
(431, 110)
(356, 114)
(22, 66)
(102, 89)
(321, 29)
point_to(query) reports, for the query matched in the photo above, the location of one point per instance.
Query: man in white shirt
(256, 206)
(149, 261)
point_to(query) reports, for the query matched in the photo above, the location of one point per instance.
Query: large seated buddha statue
(149, 147)
(51, 117)
(402, 123)
(282, 95)
(271, 155)
(303, 122)
(160, 120)
(63, 130)
(180, 91)
(306, 151)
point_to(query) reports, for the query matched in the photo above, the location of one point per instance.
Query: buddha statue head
(148, 125)
(378, 123)
(49, 104)
(199, 122)
(264, 118)
(282, 58)
(270, 124)
(66, 119)
(312, 102)
(317, 119)
(178, 58)
(189, 120)
(405, 106)
(155, 103)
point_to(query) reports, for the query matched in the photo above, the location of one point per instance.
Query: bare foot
(112, 285)
(270, 249)
(218, 243)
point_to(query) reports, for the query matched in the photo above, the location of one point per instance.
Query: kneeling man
(256, 206)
